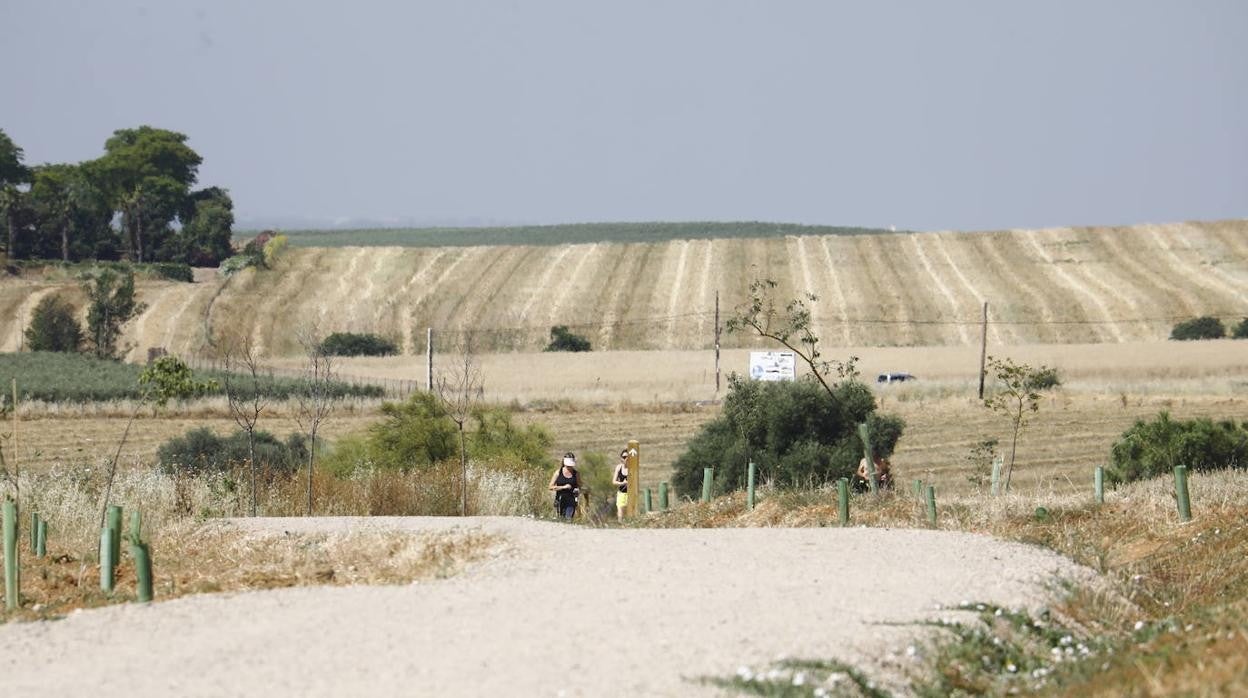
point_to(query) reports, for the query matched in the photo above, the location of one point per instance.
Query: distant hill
(1059, 285)
(547, 235)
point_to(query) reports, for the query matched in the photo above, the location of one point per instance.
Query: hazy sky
(924, 115)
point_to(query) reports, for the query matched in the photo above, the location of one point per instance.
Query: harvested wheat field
(1061, 285)
(680, 605)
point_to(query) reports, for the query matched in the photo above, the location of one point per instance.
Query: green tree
(13, 173)
(1241, 330)
(70, 212)
(205, 237)
(1017, 397)
(53, 326)
(168, 378)
(111, 302)
(148, 173)
(1155, 447)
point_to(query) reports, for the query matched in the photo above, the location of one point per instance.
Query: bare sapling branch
(1016, 397)
(316, 399)
(792, 327)
(245, 391)
(459, 387)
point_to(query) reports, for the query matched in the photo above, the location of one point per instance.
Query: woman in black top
(566, 484)
(620, 479)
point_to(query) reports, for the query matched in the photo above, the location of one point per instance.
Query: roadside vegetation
(68, 378)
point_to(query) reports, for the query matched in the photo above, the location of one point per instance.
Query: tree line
(136, 202)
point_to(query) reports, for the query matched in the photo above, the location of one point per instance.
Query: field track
(1063, 285)
(678, 604)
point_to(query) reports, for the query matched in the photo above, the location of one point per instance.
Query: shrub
(273, 250)
(1241, 330)
(497, 440)
(237, 263)
(1207, 327)
(415, 433)
(354, 344)
(201, 451)
(562, 339)
(174, 271)
(53, 326)
(795, 432)
(1044, 378)
(1153, 448)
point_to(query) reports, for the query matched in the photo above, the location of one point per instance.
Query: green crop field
(54, 377)
(550, 235)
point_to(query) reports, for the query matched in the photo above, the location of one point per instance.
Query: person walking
(620, 479)
(566, 484)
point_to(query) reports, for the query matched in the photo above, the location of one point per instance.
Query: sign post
(634, 477)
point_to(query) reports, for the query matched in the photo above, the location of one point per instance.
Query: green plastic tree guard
(708, 476)
(142, 555)
(114, 525)
(41, 540)
(1099, 485)
(34, 530)
(663, 496)
(108, 563)
(1181, 493)
(931, 506)
(136, 525)
(12, 572)
(842, 500)
(649, 500)
(751, 474)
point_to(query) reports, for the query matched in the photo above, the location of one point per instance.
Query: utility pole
(983, 349)
(429, 359)
(717, 331)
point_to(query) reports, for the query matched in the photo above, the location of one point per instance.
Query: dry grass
(1173, 607)
(192, 557)
(1063, 285)
(194, 554)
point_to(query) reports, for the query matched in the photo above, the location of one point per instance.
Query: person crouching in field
(883, 475)
(566, 484)
(620, 479)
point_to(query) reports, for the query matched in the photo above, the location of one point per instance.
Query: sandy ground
(561, 610)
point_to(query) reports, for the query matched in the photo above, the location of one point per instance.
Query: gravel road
(562, 610)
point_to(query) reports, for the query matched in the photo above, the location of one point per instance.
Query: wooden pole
(708, 477)
(864, 433)
(1099, 484)
(717, 331)
(429, 359)
(983, 350)
(12, 572)
(751, 474)
(842, 500)
(634, 477)
(931, 506)
(1181, 493)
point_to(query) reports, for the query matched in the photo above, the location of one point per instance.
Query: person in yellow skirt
(620, 480)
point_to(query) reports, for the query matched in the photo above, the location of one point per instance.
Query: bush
(1241, 330)
(1153, 448)
(237, 263)
(1207, 327)
(201, 451)
(498, 441)
(562, 339)
(353, 344)
(1044, 378)
(415, 433)
(53, 326)
(174, 271)
(795, 433)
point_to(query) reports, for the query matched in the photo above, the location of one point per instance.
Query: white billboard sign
(773, 365)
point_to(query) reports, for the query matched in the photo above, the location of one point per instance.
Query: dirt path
(564, 611)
